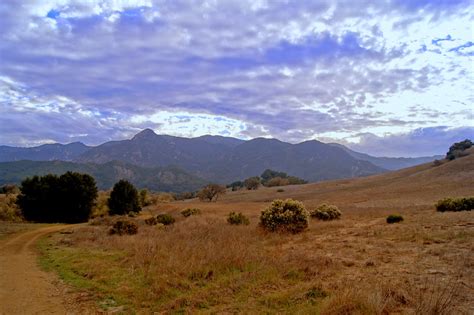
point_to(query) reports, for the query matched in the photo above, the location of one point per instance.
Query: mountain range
(195, 160)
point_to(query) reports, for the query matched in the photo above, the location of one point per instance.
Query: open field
(358, 264)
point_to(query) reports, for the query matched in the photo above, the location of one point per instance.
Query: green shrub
(124, 227)
(394, 218)
(238, 219)
(124, 198)
(455, 204)
(326, 212)
(285, 216)
(165, 219)
(190, 211)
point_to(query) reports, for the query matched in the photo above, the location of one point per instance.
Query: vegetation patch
(394, 218)
(165, 219)
(124, 198)
(190, 211)
(458, 149)
(285, 216)
(124, 227)
(455, 204)
(50, 199)
(326, 212)
(238, 219)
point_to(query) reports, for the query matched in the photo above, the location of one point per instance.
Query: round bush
(190, 211)
(124, 227)
(285, 216)
(237, 219)
(165, 219)
(394, 218)
(326, 212)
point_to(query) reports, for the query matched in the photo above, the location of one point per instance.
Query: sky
(388, 77)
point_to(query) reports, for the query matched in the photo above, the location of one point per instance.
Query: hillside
(106, 175)
(46, 152)
(389, 163)
(416, 186)
(226, 159)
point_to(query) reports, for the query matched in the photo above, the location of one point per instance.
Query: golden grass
(356, 265)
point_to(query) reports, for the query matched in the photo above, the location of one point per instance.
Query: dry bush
(190, 211)
(237, 219)
(326, 212)
(124, 227)
(9, 211)
(100, 207)
(165, 219)
(436, 296)
(285, 216)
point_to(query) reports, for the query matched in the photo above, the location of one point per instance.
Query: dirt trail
(24, 288)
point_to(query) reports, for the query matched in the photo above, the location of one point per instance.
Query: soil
(24, 287)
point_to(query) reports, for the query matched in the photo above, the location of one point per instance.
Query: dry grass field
(356, 265)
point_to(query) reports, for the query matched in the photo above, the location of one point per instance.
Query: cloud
(419, 142)
(294, 71)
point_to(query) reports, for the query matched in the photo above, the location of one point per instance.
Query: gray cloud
(287, 70)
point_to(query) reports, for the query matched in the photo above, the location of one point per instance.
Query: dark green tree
(68, 198)
(124, 198)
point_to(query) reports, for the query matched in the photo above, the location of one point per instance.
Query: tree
(252, 183)
(211, 192)
(124, 198)
(68, 198)
(458, 148)
(269, 174)
(236, 185)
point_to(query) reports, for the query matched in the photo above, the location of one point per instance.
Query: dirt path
(24, 288)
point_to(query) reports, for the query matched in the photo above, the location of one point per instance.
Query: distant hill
(45, 152)
(225, 160)
(106, 175)
(389, 163)
(221, 159)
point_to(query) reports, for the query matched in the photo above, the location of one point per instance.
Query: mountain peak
(145, 134)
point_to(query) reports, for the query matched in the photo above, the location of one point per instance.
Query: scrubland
(357, 264)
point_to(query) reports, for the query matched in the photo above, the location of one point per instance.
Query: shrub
(124, 227)
(326, 212)
(165, 219)
(68, 198)
(211, 192)
(252, 183)
(455, 204)
(190, 211)
(394, 218)
(151, 221)
(124, 198)
(238, 219)
(9, 210)
(285, 216)
(280, 190)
